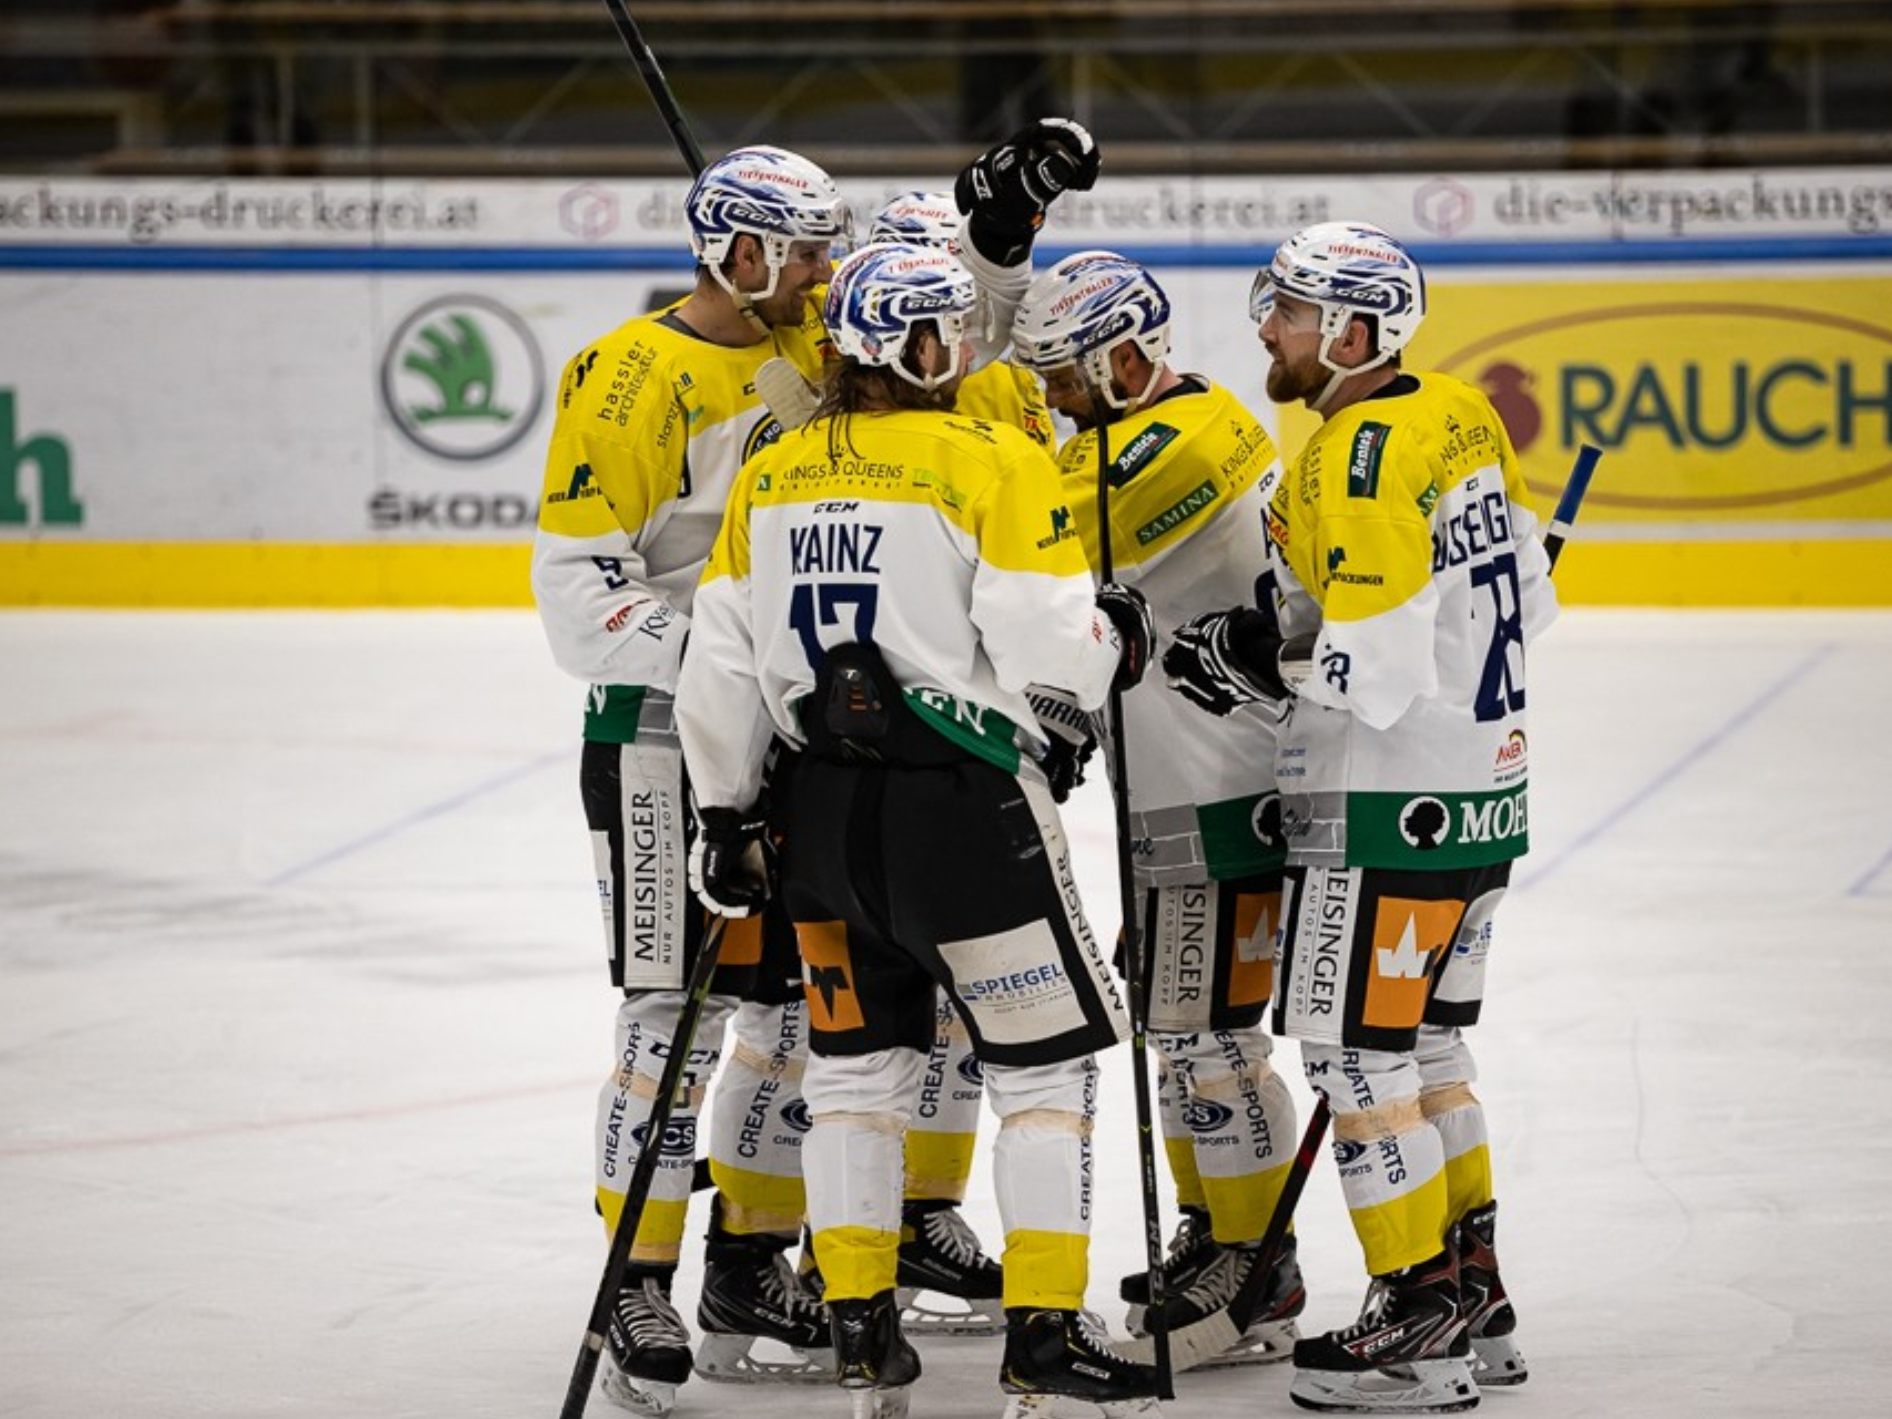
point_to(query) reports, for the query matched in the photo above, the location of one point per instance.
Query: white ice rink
(302, 1009)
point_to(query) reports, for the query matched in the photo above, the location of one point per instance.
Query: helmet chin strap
(745, 300)
(956, 330)
(1103, 384)
(1331, 330)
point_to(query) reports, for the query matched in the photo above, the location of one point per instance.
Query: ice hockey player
(940, 1255)
(948, 1285)
(1190, 474)
(888, 581)
(653, 421)
(1410, 578)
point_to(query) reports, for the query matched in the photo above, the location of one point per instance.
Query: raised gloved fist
(731, 869)
(1226, 659)
(1130, 614)
(1071, 736)
(1005, 190)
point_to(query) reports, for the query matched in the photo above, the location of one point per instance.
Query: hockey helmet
(1082, 308)
(776, 196)
(919, 219)
(884, 291)
(1346, 269)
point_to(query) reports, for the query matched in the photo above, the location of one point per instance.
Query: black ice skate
(1191, 1250)
(940, 1257)
(1407, 1354)
(1203, 1337)
(759, 1323)
(1489, 1318)
(1053, 1355)
(647, 1347)
(873, 1361)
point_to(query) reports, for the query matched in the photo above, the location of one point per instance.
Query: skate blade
(880, 1403)
(1496, 1361)
(931, 1313)
(651, 1398)
(1064, 1406)
(756, 1360)
(1423, 1387)
(1267, 1343)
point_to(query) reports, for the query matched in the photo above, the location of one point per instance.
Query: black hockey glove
(1004, 191)
(1071, 739)
(1136, 630)
(731, 870)
(1226, 659)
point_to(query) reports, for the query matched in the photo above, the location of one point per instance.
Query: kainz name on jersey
(834, 547)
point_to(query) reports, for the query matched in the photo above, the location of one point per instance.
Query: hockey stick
(1133, 946)
(585, 1369)
(1216, 1333)
(1565, 516)
(653, 76)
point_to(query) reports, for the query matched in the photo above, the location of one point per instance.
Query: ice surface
(302, 1007)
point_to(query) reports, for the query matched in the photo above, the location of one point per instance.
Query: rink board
(339, 393)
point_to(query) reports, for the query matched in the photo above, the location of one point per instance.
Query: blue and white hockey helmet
(776, 196)
(882, 293)
(1346, 269)
(919, 219)
(1082, 308)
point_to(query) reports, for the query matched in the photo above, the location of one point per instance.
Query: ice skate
(1407, 1354)
(1271, 1331)
(1489, 1318)
(647, 1348)
(947, 1284)
(1056, 1364)
(760, 1325)
(1191, 1250)
(873, 1361)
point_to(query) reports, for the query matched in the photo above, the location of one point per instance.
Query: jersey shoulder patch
(1363, 459)
(1140, 450)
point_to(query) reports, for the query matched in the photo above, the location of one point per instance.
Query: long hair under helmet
(882, 293)
(1085, 306)
(771, 194)
(1346, 269)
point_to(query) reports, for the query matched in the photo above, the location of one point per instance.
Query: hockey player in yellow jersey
(889, 582)
(653, 421)
(1190, 474)
(1410, 577)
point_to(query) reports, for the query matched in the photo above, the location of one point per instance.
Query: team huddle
(850, 621)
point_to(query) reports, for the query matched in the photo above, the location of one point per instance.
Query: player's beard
(1291, 384)
(782, 308)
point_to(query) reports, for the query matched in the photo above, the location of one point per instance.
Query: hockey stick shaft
(660, 93)
(1562, 520)
(585, 1368)
(1133, 947)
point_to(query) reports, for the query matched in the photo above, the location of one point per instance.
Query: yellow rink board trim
(1853, 572)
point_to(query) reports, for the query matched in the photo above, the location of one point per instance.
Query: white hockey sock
(646, 1025)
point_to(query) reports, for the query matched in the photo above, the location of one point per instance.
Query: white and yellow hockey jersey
(1002, 393)
(652, 424)
(1189, 485)
(1404, 533)
(944, 540)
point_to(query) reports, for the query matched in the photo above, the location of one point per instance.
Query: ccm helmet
(919, 219)
(776, 196)
(881, 293)
(1082, 308)
(1346, 269)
